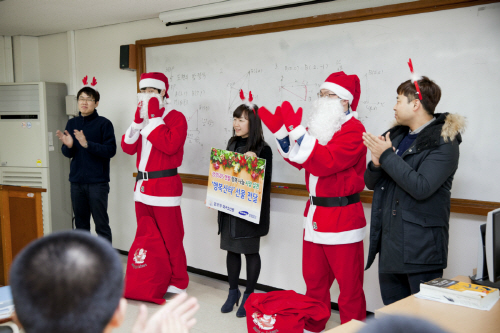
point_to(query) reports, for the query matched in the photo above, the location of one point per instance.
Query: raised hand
(292, 120)
(154, 110)
(177, 316)
(273, 121)
(377, 145)
(138, 119)
(65, 138)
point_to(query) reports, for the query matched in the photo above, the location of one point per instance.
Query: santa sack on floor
(148, 265)
(282, 311)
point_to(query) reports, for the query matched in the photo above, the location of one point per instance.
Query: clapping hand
(81, 138)
(377, 145)
(174, 317)
(65, 138)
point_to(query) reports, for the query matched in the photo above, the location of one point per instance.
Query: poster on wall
(235, 184)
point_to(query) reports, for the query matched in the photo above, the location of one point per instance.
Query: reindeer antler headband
(91, 85)
(249, 101)
(414, 79)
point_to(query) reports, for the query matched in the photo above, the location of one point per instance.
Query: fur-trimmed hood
(447, 126)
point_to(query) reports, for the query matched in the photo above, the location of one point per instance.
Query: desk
(351, 327)
(452, 318)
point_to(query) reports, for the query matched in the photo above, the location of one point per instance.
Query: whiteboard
(459, 49)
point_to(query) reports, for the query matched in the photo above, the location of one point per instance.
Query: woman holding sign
(239, 236)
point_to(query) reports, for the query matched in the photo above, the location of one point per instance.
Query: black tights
(233, 262)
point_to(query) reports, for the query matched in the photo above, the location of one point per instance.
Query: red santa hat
(345, 86)
(154, 80)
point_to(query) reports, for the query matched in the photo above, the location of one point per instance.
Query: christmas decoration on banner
(414, 79)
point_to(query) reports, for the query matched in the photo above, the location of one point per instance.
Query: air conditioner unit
(30, 152)
(222, 8)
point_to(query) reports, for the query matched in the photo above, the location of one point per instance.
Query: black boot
(232, 298)
(241, 310)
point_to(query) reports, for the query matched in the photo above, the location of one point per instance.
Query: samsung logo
(243, 213)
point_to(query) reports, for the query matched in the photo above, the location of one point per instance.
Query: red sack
(282, 311)
(148, 265)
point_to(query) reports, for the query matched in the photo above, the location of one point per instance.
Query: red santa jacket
(333, 170)
(159, 146)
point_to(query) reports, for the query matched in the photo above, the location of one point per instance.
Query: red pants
(321, 265)
(169, 221)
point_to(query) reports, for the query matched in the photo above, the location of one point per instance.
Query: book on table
(6, 303)
(459, 293)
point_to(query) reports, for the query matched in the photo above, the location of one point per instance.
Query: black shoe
(241, 310)
(232, 298)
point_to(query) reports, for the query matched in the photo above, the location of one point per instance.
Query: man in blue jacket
(411, 172)
(89, 140)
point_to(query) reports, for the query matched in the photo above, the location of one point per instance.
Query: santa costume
(332, 153)
(157, 135)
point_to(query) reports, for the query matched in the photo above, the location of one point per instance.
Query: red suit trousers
(321, 265)
(169, 220)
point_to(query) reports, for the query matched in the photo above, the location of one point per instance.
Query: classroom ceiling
(45, 17)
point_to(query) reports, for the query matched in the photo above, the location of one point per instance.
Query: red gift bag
(148, 266)
(282, 311)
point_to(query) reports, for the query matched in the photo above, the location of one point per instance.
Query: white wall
(97, 54)
(6, 60)
(26, 59)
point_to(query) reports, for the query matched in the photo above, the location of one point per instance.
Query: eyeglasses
(329, 95)
(88, 100)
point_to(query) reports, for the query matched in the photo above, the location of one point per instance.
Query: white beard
(326, 118)
(145, 97)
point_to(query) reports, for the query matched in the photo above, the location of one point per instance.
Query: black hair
(255, 134)
(67, 282)
(159, 90)
(90, 92)
(431, 93)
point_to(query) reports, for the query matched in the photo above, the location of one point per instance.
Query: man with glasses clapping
(89, 140)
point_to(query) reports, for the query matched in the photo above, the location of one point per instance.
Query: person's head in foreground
(68, 282)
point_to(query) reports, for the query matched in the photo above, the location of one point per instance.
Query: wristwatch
(86, 145)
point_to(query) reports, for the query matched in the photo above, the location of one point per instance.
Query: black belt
(335, 201)
(155, 174)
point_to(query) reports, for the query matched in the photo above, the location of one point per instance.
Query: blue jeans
(395, 287)
(92, 199)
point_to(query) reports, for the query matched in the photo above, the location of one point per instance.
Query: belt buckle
(343, 201)
(145, 175)
(311, 200)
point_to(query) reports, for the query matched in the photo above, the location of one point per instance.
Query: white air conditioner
(30, 153)
(224, 7)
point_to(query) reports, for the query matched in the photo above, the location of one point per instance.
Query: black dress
(241, 236)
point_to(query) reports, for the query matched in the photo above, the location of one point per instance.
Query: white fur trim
(137, 126)
(131, 138)
(330, 238)
(153, 124)
(313, 182)
(154, 200)
(355, 114)
(153, 83)
(301, 154)
(297, 132)
(175, 290)
(281, 134)
(339, 90)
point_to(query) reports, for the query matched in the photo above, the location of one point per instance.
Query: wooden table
(453, 318)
